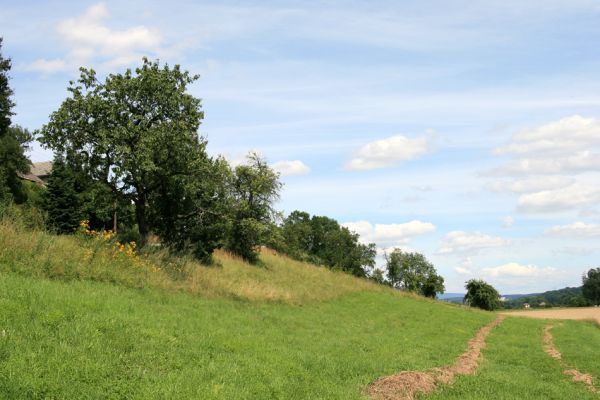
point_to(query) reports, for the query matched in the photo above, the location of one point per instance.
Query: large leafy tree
(13, 141)
(137, 132)
(191, 212)
(255, 188)
(591, 286)
(482, 295)
(413, 272)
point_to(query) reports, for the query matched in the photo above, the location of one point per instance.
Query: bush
(481, 294)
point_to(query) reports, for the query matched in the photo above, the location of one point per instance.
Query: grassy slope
(78, 320)
(109, 326)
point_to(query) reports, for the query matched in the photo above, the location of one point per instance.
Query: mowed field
(78, 321)
(583, 313)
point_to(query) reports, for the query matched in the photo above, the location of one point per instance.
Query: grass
(516, 367)
(79, 319)
(579, 343)
(69, 258)
(84, 339)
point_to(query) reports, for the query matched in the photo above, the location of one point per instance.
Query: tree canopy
(13, 141)
(482, 295)
(254, 188)
(137, 132)
(413, 272)
(591, 286)
(322, 240)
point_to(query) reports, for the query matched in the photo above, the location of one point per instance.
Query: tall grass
(36, 253)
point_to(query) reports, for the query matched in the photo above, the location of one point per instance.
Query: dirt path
(406, 385)
(586, 313)
(553, 352)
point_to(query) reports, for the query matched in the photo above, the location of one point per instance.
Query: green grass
(579, 344)
(516, 367)
(79, 321)
(65, 340)
(70, 258)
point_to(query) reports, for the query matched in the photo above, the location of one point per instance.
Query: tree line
(128, 158)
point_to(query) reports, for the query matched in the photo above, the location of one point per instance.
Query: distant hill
(567, 297)
(458, 297)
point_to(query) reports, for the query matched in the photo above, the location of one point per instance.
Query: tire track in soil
(406, 385)
(552, 351)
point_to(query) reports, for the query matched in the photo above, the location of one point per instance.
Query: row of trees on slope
(128, 158)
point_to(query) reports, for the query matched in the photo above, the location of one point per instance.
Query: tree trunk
(115, 217)
(140, 214)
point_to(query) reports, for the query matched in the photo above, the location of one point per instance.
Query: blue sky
(468, 131)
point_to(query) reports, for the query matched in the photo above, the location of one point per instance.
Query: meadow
(81, 318)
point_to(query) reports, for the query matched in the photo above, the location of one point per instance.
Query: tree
(482, 295)
(61, 200)
(130, 132)
(192, 214)
(378, 276)
(13, 141)
(254, 188)
(413, 272)
(591, 286)
(321, 240)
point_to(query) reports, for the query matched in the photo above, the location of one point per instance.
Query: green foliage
(190, 212)
(13, 141)
(61, 199)
(323, 241)
(566, 297)
(130, 132)
(254, 188)
(413, 272)
(591, 286)
(482, 295)
(378, 275)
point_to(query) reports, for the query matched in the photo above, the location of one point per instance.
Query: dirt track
(589, 313)
(407, 385)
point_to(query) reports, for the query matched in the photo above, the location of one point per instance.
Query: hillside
(566, 297)
(83, 319)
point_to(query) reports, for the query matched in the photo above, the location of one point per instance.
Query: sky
(466, 131)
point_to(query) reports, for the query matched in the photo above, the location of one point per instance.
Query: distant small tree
(591, 286)
(482, 295)
(413, 272)
(378, 276)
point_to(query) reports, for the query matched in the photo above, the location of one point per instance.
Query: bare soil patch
(553, 352)
(586, 313)
(406, 385)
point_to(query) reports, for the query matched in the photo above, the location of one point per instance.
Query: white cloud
(530, 185)
(576, 229)
(291, 167)
(465, 267)
(89, 39)
(574, 196)
(464, 242)
(514, 269)
(553, 167)
(575, 163)
(388, 152)
(508, 222)
(48, 67)
(567, 135)
(389, 234)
